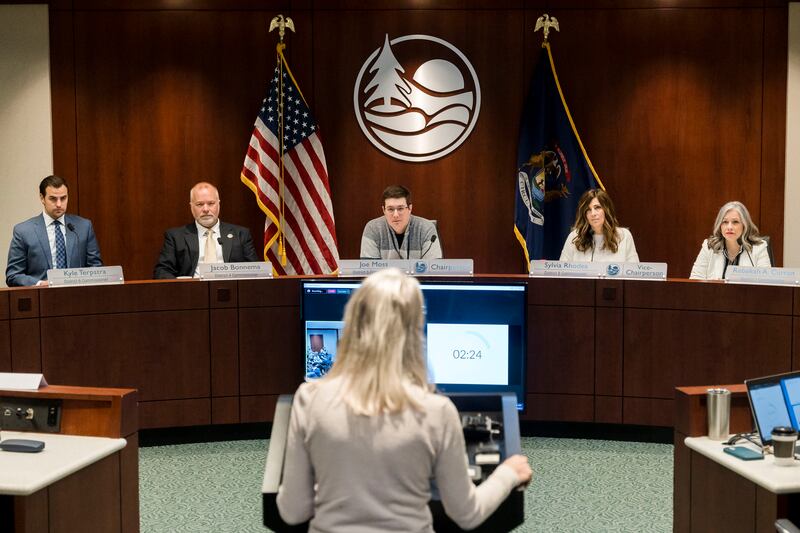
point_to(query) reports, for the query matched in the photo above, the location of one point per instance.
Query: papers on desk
(21, 381)
(565, 269)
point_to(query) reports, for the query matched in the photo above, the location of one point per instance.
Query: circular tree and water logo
(417, 98)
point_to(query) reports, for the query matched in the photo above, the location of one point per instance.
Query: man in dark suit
(206, 240)
(50, 240)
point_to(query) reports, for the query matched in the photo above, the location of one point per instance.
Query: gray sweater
(379, 240)
(359, 474)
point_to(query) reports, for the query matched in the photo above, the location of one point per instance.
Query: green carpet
(578, 485)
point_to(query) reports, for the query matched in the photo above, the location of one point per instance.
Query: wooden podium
(101, 496)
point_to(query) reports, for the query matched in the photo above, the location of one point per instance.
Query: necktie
(211, 248)
(61, 247)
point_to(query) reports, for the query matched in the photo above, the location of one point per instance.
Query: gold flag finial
(281, 23)
(546, 22)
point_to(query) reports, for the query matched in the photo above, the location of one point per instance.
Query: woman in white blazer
(596, 235)
(735, 241)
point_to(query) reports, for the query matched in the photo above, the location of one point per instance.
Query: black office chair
(769, 250)
(783, 525)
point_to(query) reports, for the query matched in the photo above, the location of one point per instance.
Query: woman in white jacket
(735, 241)
(596, 235)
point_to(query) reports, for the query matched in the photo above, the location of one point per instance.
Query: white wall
(791, 207)
(26, 135)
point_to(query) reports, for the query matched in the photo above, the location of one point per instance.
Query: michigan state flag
(553, 169)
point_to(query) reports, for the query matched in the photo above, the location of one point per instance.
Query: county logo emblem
(612, 269)
(417, 98)
(420, 267)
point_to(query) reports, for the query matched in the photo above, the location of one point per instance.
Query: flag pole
(281, 23)
(546, 23)
(553, 168)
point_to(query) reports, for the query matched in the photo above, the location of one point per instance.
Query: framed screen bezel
(521, 402)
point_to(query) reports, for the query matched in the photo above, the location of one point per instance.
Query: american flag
(293, 189)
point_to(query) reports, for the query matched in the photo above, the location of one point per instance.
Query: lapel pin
(230, 235)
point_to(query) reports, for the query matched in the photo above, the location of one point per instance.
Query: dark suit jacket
(29, 255)
(180, 252)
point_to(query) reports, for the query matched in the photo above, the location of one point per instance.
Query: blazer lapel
(72, 246)
(227, 242)
(44, 242)
(190, 235)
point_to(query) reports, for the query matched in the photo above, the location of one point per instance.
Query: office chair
(769, 250)
(783, 525)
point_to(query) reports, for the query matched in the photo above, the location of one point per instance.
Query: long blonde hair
(380, 356)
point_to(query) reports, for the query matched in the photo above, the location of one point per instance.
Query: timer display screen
(475, 332)
(468, 353)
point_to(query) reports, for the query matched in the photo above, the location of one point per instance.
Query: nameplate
(763, 275)
(542, 268)
(441, 267)
(365, 267)
(219, 271)
(21, 381)
(651, 271)
(75, 277)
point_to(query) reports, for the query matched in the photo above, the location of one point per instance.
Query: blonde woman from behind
(365, 440)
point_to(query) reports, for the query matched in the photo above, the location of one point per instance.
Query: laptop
(774, 401)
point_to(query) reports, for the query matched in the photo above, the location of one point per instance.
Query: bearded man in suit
(207, 239)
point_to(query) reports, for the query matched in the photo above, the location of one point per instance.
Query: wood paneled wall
(681, 105)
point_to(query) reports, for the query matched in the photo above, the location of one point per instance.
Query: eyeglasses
(399, 209)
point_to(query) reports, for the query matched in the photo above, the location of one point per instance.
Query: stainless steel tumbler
(719, 414)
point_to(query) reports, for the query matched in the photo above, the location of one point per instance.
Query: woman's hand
(519, 463)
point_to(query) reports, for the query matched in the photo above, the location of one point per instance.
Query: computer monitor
(475, 333)
(774, 401)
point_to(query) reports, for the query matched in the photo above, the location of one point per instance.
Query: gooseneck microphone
(430, 245)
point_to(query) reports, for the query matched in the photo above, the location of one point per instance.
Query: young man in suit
(53, 239)
(206, 240)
